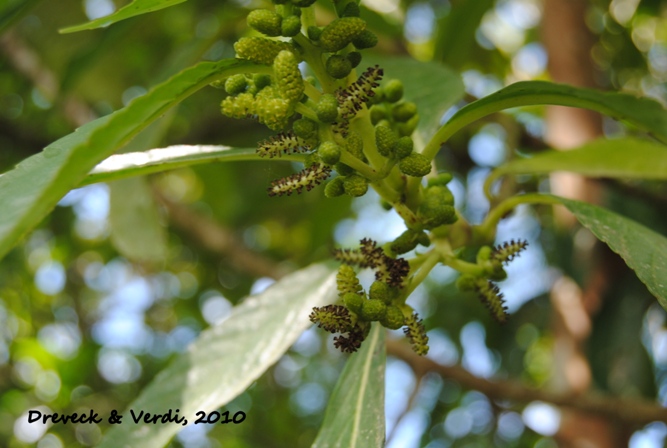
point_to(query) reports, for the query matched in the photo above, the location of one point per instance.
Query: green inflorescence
(353, 123)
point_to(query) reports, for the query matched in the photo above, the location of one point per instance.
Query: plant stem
(486, 229)
(313, 56)
(429, 263)
(305, 111)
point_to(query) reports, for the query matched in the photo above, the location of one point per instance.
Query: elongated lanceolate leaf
(628, 158)
(137, 7)
(31, 190)
(355, 414)
(647, 114)
(120, 166)
(227, 358)
(644, 250)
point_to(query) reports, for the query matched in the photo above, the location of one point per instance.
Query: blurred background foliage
(93, 305)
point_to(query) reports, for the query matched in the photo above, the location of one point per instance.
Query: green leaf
(432, 86)
(135, 229)
(134, 221)
(120, 166)
(226, 358)
(455, 39)
(355, 415)
(644, 250)
(31, 190)
(628, 158)
(137, 7)
(647, 114)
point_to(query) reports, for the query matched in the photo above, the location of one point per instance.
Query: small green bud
(291, 26)
(404, 147)
(373, 310)
(314, 33)
(484, 254)
(311, 159)
(382, 291)
(239, 106)
(353, 302)
(351, 10)
(386, 205)
(327, 108)
(338, 67)
(497, 273)
(393, 319)
(343, 169)
(354, 144)
(236, 84)
(354, 57)
(339, 33)
(259, 49)
(385, 123)
(423, 239)
(305, 128)
(355, 185)
(378, 113)
(329, 152)
(347, 281)
(367, 39)
(385, 139)
(436, 208)
(416, 165)
(441, 179)
(402, 112)
(406, 129)
(288, 75)
(378, 98)
(265, 21)
(442, 193)
(407, 241)
(393, 90)
(334, 187)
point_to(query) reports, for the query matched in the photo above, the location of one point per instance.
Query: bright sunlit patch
(260, 285)
(652, 436)
(50, 278)
(98, 8)
(31, 432)
(118, 366)
(419, 23)
(530, 61)
(382, 6)
(542, 418)
(477, 358)
(214, 307)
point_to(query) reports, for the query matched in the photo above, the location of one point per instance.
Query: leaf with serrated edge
(355, 414)
(137, 7)
(644, 250)
(226, 358)
(31, 190)
(628, 158)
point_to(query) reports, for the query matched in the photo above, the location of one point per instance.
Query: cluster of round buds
(270, 99)
(491, 261)
(389, 109)
(383, 303)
